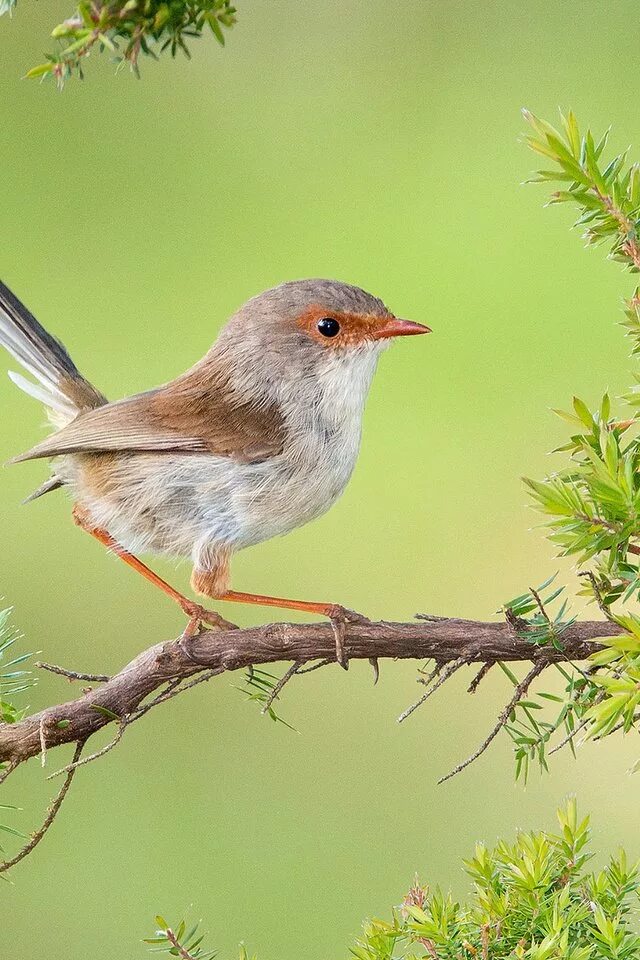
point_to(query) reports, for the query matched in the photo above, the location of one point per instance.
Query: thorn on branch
(519, 692)
(52, 812)
(375, 666)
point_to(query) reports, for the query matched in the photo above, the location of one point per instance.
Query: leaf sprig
(184, 942)
(14, 678)
(128, 29)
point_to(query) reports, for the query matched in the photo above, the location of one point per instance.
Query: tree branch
(444, 640)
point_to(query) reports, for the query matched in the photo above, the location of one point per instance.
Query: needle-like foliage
(184, 941)
(129, 29)
(531, 900)
(14, 678)
(592, 501)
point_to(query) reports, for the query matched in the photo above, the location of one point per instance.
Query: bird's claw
(340, 616)
(198, 616)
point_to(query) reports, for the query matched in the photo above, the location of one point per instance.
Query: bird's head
(307, 327)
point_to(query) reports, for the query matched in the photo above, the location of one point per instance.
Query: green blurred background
(375, 143)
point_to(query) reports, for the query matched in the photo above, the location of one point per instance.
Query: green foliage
(531, 900)
(592, 502)
(259, 688)
(540, 629)
(14, 679)
(607, 196)
(128, 29)
(183, 942)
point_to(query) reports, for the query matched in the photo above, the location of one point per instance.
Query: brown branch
(443, 640)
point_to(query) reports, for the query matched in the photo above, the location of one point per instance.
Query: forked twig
(315, 666)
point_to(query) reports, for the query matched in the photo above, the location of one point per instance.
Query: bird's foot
(199, 615)
(341, 616)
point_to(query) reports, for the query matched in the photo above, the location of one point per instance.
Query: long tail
(60, 386)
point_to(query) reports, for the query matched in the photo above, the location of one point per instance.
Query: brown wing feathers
(188, 415)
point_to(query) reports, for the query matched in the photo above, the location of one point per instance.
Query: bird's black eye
(328, 327)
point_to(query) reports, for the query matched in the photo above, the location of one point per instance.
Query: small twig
(175, 943)
(430, 617)
(597, 593)
(536, 596)
(275, 692)
(315, 666)
(73, 674)
(172, 691)
(51, 814)
(431, 676)
(583, 723)
(445, 673)
(520, 690)
(75, 763)
(479, 677)
(8, 770)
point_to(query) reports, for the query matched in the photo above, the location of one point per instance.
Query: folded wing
(195, 414)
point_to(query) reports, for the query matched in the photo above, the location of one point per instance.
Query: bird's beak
(398, 328)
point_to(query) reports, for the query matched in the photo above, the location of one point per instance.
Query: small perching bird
(256, 439)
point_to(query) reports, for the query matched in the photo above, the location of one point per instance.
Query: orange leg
(338, 615)
(194, 611)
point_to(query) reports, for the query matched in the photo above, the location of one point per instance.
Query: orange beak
(398, 328)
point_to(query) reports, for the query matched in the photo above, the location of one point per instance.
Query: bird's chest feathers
(324, 426)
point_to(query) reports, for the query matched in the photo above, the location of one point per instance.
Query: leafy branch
(183, 942)
(532, 900)
(592, 502)
(128, 29)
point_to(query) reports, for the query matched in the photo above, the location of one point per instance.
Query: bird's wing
(197, 413)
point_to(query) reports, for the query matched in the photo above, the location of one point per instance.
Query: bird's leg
(196, 613)
(338, 615)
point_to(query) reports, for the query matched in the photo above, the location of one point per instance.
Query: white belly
(180, 504)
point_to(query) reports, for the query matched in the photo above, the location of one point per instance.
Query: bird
(257, 438)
